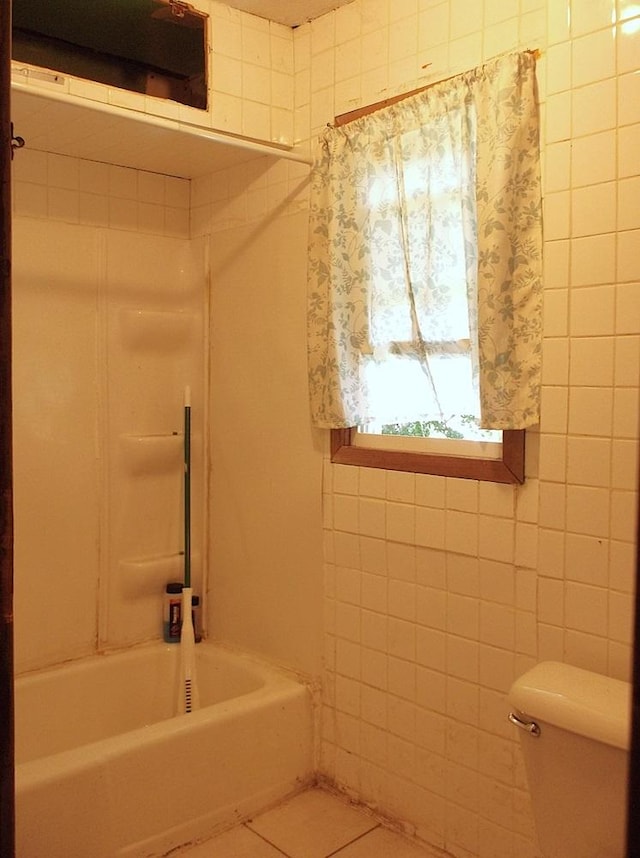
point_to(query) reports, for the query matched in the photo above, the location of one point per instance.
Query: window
(424, 275)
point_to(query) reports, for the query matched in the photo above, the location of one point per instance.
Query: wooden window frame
(507, 469)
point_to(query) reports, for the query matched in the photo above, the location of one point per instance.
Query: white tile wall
(78, 191)
(252, 75)
(423, 659)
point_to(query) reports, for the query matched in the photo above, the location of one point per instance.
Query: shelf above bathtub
(151, 454)
(65, 124)
(147, 576)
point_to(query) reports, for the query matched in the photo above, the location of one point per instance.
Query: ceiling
(289, 12)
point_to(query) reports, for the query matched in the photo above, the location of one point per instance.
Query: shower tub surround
(108, 331)
(105, 769)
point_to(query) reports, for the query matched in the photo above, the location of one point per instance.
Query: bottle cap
(174, 587)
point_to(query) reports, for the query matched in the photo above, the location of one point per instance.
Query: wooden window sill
(507, 469)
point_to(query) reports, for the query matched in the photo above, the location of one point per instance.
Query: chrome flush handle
(530, 726)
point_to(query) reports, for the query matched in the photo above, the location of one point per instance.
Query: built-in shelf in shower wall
(144, 577)
(145, 457)
(152, 454)
(154, 347)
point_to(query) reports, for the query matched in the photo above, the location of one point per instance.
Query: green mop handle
(187, 487)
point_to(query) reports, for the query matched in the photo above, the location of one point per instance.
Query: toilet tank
(578, 763)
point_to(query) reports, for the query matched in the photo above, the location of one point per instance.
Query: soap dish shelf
(151, 454)
(147, 576)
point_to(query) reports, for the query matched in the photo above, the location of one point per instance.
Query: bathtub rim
(277, 683)
(260, 661)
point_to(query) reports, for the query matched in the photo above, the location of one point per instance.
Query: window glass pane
(400, 391)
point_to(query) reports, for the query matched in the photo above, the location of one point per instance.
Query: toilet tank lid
(577, 700)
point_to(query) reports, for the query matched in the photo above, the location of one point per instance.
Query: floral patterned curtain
(425, 253)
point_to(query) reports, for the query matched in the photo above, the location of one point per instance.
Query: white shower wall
(109, 301)
(266, 479)
(56, 469)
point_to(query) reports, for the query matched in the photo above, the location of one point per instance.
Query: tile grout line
(328, 855)
(265, 840)
(355, 840)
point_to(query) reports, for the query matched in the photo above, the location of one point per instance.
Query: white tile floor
(313, 824)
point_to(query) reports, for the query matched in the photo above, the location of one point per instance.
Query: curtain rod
(352, 115)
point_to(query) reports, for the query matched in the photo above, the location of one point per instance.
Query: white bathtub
(104, 769)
